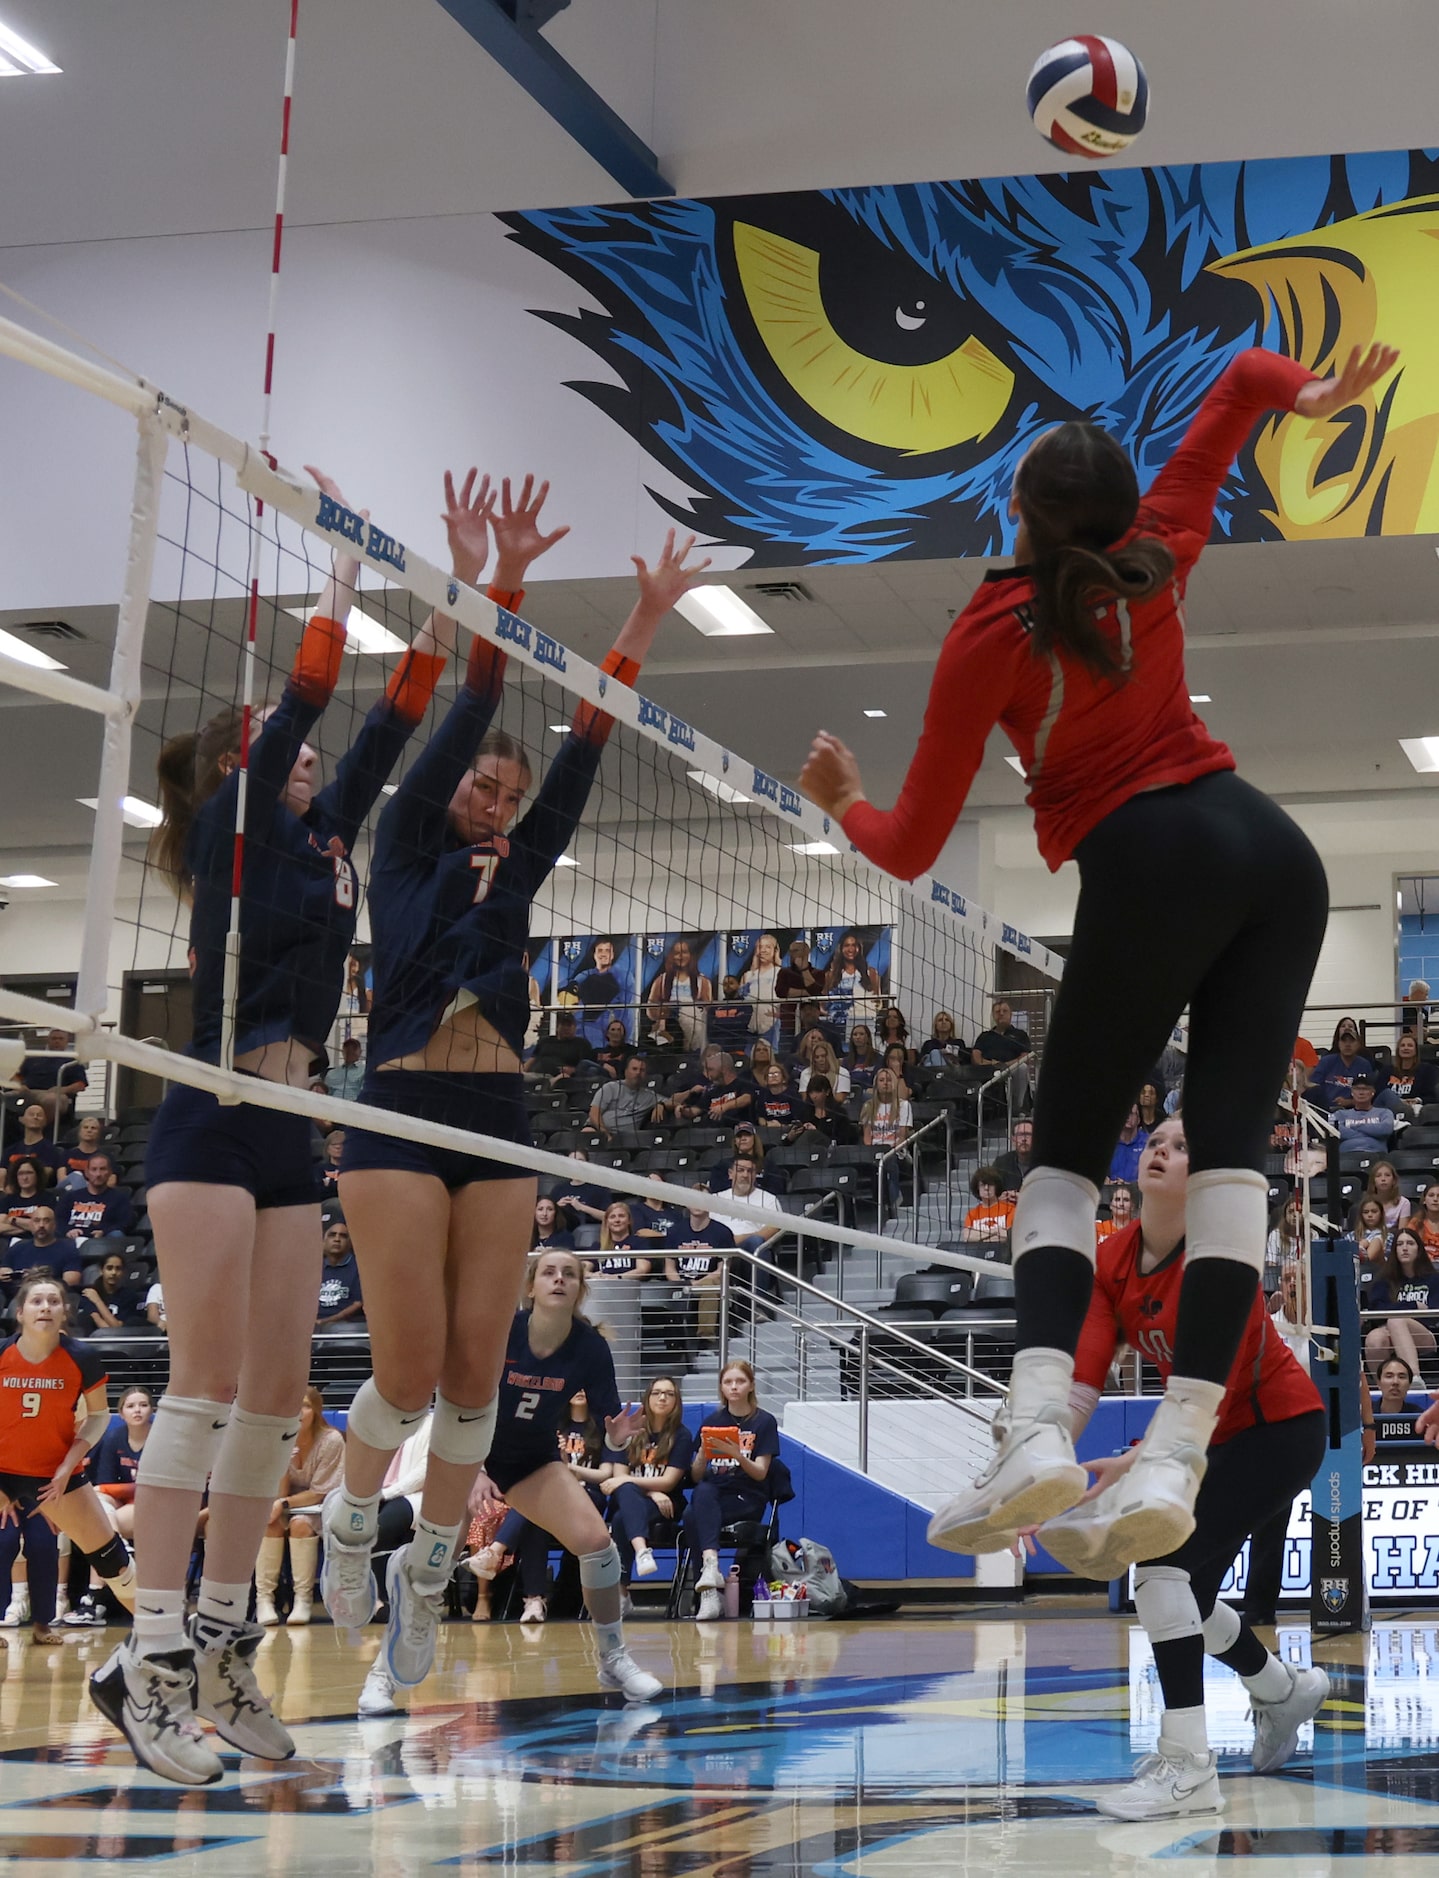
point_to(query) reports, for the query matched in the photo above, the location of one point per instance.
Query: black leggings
(1247, 1481)
(1204, 895)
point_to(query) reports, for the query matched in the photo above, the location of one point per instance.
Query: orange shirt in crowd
(991, 1216)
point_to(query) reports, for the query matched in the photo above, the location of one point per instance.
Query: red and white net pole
(247, 689)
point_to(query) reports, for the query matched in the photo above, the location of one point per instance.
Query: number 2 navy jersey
(451, 920)
(1141, 1309)
(38, 1403)
(535, 1391)
(299, 894)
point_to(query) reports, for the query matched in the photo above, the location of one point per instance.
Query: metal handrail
(944, 1119)
(1002, 1074)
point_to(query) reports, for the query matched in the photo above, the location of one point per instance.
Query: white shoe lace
(421, 1610)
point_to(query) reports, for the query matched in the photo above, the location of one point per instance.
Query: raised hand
(345, 568)
(621, 1429)
(831, 776)
(466, 518)
(662, 584)
(1322, 397)
(518, 541)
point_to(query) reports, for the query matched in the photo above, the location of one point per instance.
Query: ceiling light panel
(719, 613)
(19, 59)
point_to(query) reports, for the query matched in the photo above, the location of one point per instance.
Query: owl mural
(851, 375)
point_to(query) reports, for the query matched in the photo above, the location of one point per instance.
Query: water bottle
(731, 1592)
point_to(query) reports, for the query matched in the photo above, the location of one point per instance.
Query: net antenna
(681, 837)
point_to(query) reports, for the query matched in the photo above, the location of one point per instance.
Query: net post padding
(92, 1043)
(92, 991)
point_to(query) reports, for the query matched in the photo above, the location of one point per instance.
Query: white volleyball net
(688, 868)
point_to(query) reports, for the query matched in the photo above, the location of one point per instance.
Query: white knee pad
(1221, 1629)
(1164, 1599)
(378, 1423)
(463, 1436)
(254, 1454)
(599, 1570)
(1226, 1216)
(183, 1443)
(1055, 1208)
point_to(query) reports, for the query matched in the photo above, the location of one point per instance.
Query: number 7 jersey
(38, 1402)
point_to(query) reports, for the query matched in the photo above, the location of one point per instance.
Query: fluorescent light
(876, 713)
(1015, 764)
(362, 634)
(716, 787)
(814, 847)
(25, 880)
(567, 860)
(21, 650)
(1200, 697)
(560, 730)
(22, 56)
(138, 813)
(388, 789)
(1422, 752)
(719, 613)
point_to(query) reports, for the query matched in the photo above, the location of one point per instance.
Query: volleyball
(1088, 96)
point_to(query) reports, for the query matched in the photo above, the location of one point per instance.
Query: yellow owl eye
(906, 400)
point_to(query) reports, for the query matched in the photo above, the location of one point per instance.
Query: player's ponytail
(190, 769)
(1078, 494)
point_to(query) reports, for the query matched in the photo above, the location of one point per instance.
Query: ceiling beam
(553, 83)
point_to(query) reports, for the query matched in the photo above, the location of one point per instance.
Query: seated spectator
(736, 1444)
(54, 1079)
(330, 1165)
(690, 1261)
(115, 1458)
(897, 1059)
(39, 1244)
(1121, 1212)
(1124, 1162)
(1409, 1083)
(887, 1121)
(1174, 1101)
(1416, 1007)
(1331, 1083)
(1283, 1246)
(746, 1141)
(824, 1062)
(1371, 1235)
(1427, 1219)
(559, 1054)
(729, 1018)
(547, 1234)
(1287, 1314)
(797, 983)
(28, 1181)
(347, 1078)
(945, 1048)
(721, 1094)
(1405, 1287)
(620, 1246)
(814, 1028)
(1383, 1183)
(583, 1202)
(340, 1300)
(1396, 1380)
(615, 1051)
(109, 1303)
(760, 1058)
(821, 1114)
(1002, 1044)
(155, 1307)
(648, 1477)
(35, 1143)
(892, 1029)
(778, 1106)
(1151, 1107)
(621, 1108)
(317, 1466)
(1365, 1126)
(743, 1185)
(99, 1209)
(988, 1221)
(651, 1219)
(861, 1059)
(87, 1139)
(1015, 1163)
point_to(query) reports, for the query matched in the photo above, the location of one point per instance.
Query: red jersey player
(52, 1412)
(1195, 890)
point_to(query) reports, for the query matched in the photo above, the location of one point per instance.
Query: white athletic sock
(1272, 1683)
(355, 1519)
(1186, 1729)
(431, 1552)
(227, 1604)
(159, 1622)
(610, 1636)
(1192, 1392)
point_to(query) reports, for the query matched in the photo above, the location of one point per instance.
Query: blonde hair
(557, 1252)
(738, 1362)
(607, 1243)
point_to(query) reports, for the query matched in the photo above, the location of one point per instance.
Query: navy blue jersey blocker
(535, 1396)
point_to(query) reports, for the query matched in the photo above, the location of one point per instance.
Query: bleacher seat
(586, 1238)
(799, 1154)
(934, 1291)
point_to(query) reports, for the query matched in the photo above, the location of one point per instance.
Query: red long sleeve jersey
(1266, 1384)
(1087, 743)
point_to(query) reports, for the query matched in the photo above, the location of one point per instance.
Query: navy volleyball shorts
(507, 1470)
(197, 1137)
(485, 1104)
